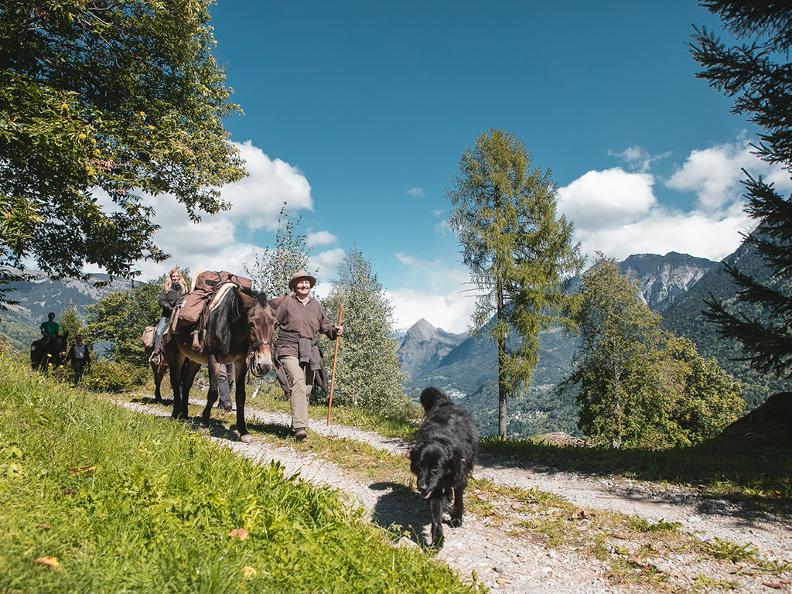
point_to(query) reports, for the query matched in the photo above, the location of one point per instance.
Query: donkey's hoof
(246, 438)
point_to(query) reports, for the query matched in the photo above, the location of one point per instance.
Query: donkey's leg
(175, 362)
(211, 397)
(186, 380)
(241, 372)
(159, 373)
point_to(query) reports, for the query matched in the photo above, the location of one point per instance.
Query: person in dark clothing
(172, 290)
(225, 382)
(300, 318)
(79, 356)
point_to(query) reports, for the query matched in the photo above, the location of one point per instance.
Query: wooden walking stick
(335, 356)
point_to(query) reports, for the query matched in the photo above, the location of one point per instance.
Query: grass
(110, 500)
(761, 477)
(399, 424)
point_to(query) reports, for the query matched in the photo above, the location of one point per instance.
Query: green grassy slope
(128, 502)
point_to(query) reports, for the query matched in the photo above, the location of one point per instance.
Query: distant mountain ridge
(663, 279)
(423, 346)
(468, 371)
(39, 295)
(685, 317)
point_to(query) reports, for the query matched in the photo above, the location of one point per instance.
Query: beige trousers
(300, 389)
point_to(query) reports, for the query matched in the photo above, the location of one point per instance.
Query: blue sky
(356, 113)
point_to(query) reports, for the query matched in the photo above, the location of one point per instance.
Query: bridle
(251, 353)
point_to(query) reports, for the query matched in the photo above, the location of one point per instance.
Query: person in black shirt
(172, 290)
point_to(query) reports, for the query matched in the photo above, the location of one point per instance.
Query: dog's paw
(455, 522)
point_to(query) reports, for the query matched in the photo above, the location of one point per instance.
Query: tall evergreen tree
(758, 75)
(367, 369)
(272, 269)
(518, 249)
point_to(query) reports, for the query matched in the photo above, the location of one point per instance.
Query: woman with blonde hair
(172, 290)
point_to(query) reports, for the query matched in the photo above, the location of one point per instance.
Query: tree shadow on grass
(750, 481)
(400, 510)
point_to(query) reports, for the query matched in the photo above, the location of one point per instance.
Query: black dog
(443, 457)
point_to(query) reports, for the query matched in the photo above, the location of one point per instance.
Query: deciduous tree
(637, 385)
(518, 249)
(101, 101)
(272, 269)
(367, 369)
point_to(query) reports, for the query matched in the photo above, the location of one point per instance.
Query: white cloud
(637, 157)
(714, 174)
(444, 298)
(325, 263)
(317, 238)
(257, 199)
(616, 211)
(450, 312)
(213, 243)
(661, 231)
(607, 198)
(416, 192)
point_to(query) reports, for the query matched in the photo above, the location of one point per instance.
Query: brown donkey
(239, 330)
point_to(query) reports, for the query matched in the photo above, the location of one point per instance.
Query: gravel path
(509, 561)
(705, 517)
(503, 563)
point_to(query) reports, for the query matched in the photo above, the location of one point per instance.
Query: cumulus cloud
(317, 238)
(416, 192)
(714, 174)
(214, 243)
(326, 262)
(257, 199)
(610, 198)
(616, 211)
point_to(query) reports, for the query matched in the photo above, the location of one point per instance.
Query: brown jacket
(304, 320)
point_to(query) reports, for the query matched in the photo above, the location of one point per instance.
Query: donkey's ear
(276, 301)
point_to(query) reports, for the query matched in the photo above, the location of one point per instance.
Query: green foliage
(100, 101)
(367, 369)
(518, 251)
(756, 74)
(120, 318)
(127, 502)
(637, 385)
(72, 323)
(114, 376)
(273, 268)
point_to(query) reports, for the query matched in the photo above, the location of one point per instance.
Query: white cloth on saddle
(220, 294)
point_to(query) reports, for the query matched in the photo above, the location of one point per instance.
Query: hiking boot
(301, 434)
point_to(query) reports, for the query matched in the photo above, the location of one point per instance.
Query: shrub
(113, 376)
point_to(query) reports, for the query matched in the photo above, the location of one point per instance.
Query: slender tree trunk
(503, 416)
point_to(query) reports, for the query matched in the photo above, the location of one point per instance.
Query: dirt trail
(705, 517)
(503, 563)
(509, 561)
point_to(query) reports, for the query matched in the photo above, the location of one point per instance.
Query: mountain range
(674, 285)
(38, 295)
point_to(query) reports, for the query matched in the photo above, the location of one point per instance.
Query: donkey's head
(261, 327)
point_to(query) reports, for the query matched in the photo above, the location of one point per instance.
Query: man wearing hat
(300, 318)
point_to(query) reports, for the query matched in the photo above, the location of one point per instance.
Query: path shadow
(697, 468)
(151, 400)
(400, 507)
